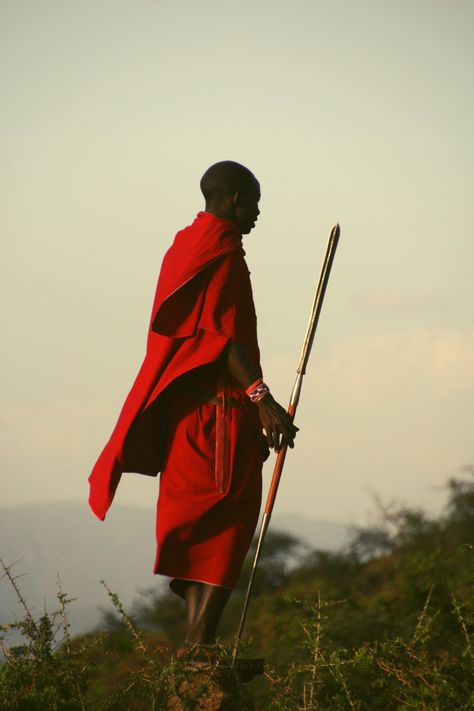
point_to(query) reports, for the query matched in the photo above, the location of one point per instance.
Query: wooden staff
(295, 396)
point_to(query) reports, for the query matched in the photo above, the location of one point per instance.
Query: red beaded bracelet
(253, 386)
(257, 391)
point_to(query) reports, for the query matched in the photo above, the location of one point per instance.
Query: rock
(207, 687)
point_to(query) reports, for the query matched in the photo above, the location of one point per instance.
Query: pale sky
(357, 111)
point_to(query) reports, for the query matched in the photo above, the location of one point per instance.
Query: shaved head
(224, 179)
(232, 191)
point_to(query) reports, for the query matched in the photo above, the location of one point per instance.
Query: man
(198, 408)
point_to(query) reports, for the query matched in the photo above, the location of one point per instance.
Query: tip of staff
(336, 230)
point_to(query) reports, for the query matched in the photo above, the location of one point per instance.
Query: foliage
(75, 675)
(392, 616)
(386, 624)
(40, 672)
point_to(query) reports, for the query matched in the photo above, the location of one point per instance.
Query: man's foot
(206, 656)
(198, 652)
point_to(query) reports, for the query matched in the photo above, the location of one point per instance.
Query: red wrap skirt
(211, 482)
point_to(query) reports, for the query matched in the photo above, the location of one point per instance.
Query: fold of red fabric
(203, 300)
(211, 482)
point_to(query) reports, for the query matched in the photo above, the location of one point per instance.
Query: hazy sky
(357, 111)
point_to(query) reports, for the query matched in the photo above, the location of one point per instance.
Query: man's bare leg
(192, 596)
(211, 602)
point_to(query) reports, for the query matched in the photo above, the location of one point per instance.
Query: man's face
(246, 207)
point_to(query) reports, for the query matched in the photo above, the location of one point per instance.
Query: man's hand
(279, 429)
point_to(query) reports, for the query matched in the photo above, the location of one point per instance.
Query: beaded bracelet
(253, 386)
(257, 391)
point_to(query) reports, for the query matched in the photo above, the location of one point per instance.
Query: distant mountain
(46, 539)
(325, 535)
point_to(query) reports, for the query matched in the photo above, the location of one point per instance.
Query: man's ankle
(198, 634)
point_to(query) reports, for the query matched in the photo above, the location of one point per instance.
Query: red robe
(210, 456)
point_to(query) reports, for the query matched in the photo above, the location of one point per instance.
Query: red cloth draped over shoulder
(203, 301)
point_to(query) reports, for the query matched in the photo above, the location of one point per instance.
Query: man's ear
(238, 198)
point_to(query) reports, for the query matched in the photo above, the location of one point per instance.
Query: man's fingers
(268, 437)
(281, 432)
(276, 441)
(290, 432)
(272, 435)
(289, 435)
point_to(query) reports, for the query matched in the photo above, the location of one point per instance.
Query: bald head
(225, 178)
(232, 191)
